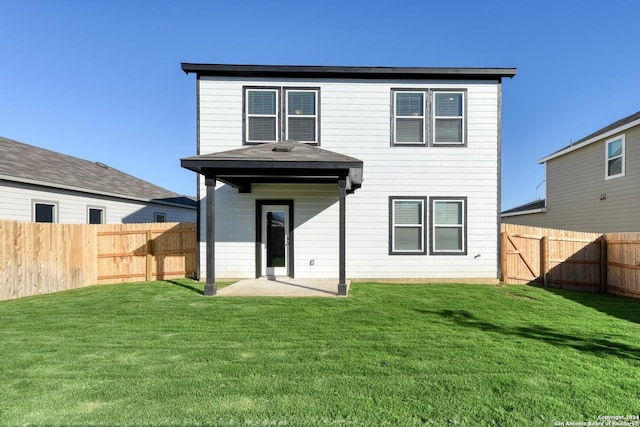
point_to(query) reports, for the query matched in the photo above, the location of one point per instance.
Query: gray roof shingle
(26, 163)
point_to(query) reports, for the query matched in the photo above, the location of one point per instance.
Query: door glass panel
(276, 239)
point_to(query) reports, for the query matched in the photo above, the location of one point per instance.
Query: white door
(275, 240)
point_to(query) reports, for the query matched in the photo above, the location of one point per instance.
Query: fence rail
(40, 258)
(573, 260)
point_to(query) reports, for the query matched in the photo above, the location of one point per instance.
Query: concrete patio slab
(283, 287)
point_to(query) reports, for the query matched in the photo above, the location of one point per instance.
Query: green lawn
(161, 354)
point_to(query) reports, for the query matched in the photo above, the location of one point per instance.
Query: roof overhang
(280, 162)
(351, 72)
(606, 132)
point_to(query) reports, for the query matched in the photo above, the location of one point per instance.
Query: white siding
(16, 203)
(355, 119)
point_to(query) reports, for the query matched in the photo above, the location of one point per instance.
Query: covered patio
(279, 162)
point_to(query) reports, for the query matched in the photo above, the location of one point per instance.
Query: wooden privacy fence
(572, 260)
(40, 258)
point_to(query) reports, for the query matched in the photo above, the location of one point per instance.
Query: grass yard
(161, 354)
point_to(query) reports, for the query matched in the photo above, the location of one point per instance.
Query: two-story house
(592, 184)
(376, 173)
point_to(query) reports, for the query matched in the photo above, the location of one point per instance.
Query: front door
(275, 240)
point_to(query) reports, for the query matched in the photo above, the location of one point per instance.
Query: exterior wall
(16, 203)
(576, 187)
(355, 119)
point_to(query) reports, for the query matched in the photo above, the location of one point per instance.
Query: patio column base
(209, 289)
(342, 289)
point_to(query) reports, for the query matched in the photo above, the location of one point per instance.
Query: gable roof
(28, 164)
(531, 207)
(299, 71)
(609, 130)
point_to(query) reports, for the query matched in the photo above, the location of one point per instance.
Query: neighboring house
(358, 172)
(44, 186)
(592, 185)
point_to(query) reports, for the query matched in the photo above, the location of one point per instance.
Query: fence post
(149, 269)
(544, 259)
(503, 257)
(603, 263)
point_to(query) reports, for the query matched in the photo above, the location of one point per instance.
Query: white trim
(54, 211)
(461, 226)
(607, 159)
(103, 215)
(274, 115)
(596, 138)
(531, 211)
(314, 116)
(423, 117)
(394, 225)
(436, 117)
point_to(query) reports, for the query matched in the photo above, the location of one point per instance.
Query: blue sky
(101, 80)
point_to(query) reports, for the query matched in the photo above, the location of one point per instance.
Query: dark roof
(537, 204)
(299, 71)
(604, 130)
(285, 161)
(33, 165)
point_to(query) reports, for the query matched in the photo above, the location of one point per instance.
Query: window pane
(261, 102)
(448, 130)
(302, 128)
(409, 130)
(408, 212)
(409, 104)
(448, 213)
(615, 148)
(448, 104)
(448, 239)
(95, 216)
(44, 212)
(302, 103)
(408, 239)
(615, 166)
(262, 128)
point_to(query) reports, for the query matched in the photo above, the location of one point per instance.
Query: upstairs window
(268, 119)
(615, 157)
(159, 217)
(406, 225)
(428, 117)
(448, 118)
(449, 230)
(409, 117)
(261, 115)
(302, 123)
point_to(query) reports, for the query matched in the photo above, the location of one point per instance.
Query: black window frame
(156, 215)
(392, 225)
(428, 130)
(432, 225)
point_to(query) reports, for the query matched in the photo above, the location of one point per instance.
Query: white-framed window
(44, 211)
(429, 117)
(409, 113)
(448, 226)
(159, 217)
(261, 113)
(302, 115)
(614, 154)
(448, 117)
(95, 215)
(407, 225)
